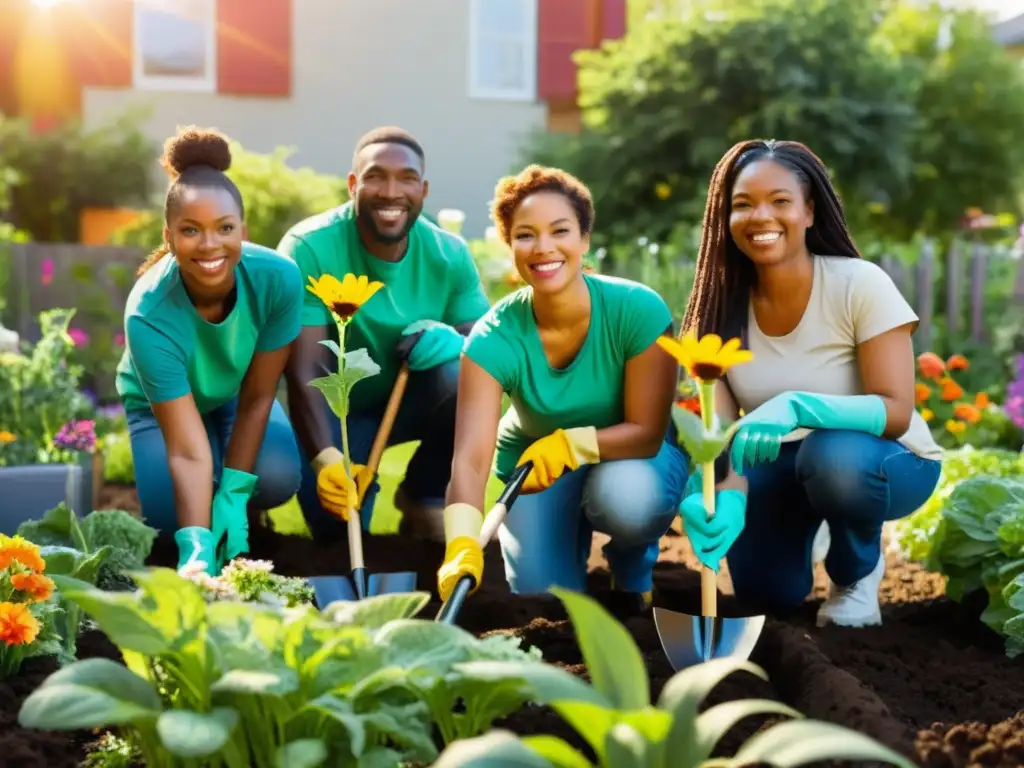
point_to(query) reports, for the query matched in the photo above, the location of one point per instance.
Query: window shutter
(563, 27)
(98, 39)
(254, 47)
(613, 19)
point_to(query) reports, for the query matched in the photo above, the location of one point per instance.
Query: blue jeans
(277, 464)
(853, 481)
(427, 414)
(546, 537)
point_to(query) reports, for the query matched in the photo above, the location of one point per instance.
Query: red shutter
(98, 38)
(613, 19)
(563, 27)
(254, 47)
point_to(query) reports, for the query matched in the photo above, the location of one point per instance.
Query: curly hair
(512, 190)
(725, 276)
(194, 158)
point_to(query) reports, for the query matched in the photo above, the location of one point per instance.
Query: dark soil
(932, 682)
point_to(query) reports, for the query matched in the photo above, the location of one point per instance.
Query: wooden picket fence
(81, 274)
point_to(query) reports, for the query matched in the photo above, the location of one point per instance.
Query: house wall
(357, 65)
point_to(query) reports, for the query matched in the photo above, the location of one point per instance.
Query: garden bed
(932, 682)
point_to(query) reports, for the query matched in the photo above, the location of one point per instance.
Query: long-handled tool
(691, 640)
(328, 589)
(495, 517)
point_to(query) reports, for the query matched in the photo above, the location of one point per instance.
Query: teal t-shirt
(625, 319)
(170, 350)
(437, 279)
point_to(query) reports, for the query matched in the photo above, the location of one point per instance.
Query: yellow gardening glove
(334, 486)
(563, 450)
(463, 555)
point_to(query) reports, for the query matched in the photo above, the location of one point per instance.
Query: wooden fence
(97, 280)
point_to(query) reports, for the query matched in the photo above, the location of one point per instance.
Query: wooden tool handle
(708, 578)
(380, 442)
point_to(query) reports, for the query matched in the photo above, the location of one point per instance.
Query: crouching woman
(590, 393)
(208, 326)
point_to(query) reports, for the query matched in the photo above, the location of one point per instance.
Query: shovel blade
(392, 583)
(327, 589)
(691, 640)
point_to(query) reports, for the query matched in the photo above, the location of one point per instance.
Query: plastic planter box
(27, 492)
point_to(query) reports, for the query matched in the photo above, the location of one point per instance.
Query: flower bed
(933, 682)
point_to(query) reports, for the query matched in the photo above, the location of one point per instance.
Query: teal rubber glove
(711, 539)
(230, 512)
(438, 345)
(196, 545)
(759, 437)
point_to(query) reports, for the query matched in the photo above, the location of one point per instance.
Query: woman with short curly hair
(591, 397)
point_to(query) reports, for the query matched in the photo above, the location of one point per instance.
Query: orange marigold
(690, 403)
(17, 624)
(957, 363)
(967, 412)
(922, 392)
(930, 365)
(950, 390)
(982, 400)
(17, 549)
(35, 585)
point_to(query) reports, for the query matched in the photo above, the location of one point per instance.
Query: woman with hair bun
(208, 328)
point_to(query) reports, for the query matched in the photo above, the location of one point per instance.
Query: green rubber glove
(438, 345)
(196, 544)
(759, 437)
(711, 539)
(229, 513)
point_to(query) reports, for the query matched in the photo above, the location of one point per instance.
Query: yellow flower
(17, 624)
(955, 427)
(7, 437)
(16, 549)
(343, 297)
(927, 414)
(662, 190)
(708, 358)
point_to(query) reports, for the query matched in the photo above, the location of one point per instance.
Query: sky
(1003, 9)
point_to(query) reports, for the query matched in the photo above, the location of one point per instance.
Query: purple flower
(77, 436)
(1014, 405)
(78, 336)
(46, 272)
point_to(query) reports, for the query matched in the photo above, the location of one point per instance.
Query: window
(503, 49)
(175, 45)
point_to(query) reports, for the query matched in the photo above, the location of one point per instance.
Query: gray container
(28, 492)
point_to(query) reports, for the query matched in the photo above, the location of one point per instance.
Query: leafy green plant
(118, 462)
(248, 684)
(619, 722)
(251, 581)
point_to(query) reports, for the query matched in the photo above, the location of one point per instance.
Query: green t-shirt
(170, 350)
(437, 279)
(625, 319)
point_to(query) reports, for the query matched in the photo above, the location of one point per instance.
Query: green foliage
(276, 196)
(118, 462)
(236, 685)
(56, 174)
(619, 722)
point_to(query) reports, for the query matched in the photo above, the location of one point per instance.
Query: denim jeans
(852, 480)
(427, 414)
(546, 537)
(277, 464)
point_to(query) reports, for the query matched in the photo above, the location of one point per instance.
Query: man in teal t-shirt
(431, 289)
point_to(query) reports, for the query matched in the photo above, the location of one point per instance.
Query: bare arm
(650, 385)
(189, 459)
(255, 400)
(886, 365)
(476, 428)
(308, 360)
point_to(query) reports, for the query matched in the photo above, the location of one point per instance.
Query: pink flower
(78, 336)
(46, 271)
(118, 339)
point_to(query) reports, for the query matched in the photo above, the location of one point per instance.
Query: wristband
(461, 519)
(327, 456)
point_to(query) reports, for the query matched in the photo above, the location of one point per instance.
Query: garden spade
(495, 517)
(691, 640)
(328, 589)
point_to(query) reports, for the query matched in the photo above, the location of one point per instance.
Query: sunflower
(707, 358)
(343, 297)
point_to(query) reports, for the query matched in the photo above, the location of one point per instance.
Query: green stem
(343, 417)
(706, 393)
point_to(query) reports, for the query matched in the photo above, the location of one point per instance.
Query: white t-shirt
(852, 300)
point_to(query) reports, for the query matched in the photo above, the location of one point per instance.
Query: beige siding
(357, 65)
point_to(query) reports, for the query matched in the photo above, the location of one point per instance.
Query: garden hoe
(691, 640)
(328, 589)
(492, 523)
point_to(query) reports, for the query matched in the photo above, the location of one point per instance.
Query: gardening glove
(197, 545)
(463, 555)
(711, 539)
(563, 449)
(334, 486)
(229, 512)
(759, 437)
(438, 344)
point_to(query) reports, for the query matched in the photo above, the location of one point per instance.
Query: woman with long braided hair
(830, 434)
